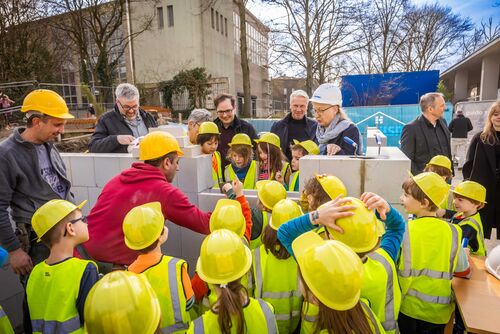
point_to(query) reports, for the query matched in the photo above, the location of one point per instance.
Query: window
(213, 19)
(225, 26)
(159, 17)
(217, 20)
(170, 15)
(221, 24)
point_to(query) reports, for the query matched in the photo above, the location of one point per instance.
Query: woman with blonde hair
(483, 166)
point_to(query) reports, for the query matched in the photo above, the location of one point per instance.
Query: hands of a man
(20, 262)
(125, 139)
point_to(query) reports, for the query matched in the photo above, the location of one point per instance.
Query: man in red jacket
(144, 182)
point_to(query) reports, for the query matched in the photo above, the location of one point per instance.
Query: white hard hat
(327, 93)
(493, 262)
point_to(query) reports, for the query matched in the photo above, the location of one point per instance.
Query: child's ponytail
(230, 304)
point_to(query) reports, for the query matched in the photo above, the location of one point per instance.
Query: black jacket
(480, 166)
(418, 142)
(460, 126)
(109, 126)
(280, 128)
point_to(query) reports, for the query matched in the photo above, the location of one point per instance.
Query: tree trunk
(245, 69)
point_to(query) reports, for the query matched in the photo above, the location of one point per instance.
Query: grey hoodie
(22, 187)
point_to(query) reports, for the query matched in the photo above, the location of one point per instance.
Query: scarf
(336, 127)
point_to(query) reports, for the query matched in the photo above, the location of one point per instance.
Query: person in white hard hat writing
(333, 123)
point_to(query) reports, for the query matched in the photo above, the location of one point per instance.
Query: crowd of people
(328, 263)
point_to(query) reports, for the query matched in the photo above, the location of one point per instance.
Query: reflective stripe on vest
(372, 317)
(478, 227)
(257, 242)
(268, 314)
(198, 326)
(293, 181)
(55, 327)
(217, 174)
(174, 293)
(389, 323)
(250, 177)
(2, 313)
(5, 326)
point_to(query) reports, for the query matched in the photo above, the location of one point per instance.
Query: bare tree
(245, 68)
(487, 31)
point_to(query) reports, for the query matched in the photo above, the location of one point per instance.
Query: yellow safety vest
(217, 174)
(257, 242)
(284, 170)
(276, 281)
(52, 292)
(5, 326)
(474, 221)
(425, 269)
(294, 184)
(166, 280)
(250, 178)
(381, 288)
(310, 316)
(258, 316)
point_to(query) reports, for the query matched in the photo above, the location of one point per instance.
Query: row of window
(256, 42)
(170, 16)
(218, 21)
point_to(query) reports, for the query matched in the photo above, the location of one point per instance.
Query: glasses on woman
(320, 111)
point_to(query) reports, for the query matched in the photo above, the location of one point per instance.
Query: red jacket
(136, 186)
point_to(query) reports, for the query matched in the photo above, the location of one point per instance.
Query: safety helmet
(331, 270)
(270, 192)
(332, 185)
(50, 214)
(472, 190)
(270, 138)
(122, 302)
(433, 186)
(283, 211)
(208, 128)
(47, 102)
(361, 230)
(156, 144)
(240, 139)
(308, 145)
(228, 214)
(440, 160)
(143, 225)
(223, 258)
(327, 93)
(493, 262)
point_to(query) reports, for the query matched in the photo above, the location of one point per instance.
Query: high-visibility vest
(381, 288)
(258, 316)
(276, 281)
(474, 221)
(257, 242)
(48, 286)
(294, 182)
(217, 176)
(425, 269)
(166, 280)
(310, 317)
(250, 178)
(5, 326)
(284, 170)
(449, 205)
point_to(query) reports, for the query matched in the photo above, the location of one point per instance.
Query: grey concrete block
(173, 245)
(190, 243)
(183, 141)
(191, 151)
(81, 194)
(67, 163)
(174, 130)
(106, 167)
(93, 196)
(308, 167)
(82, 170)
(207, 200)
(349, 170)
(195, 174)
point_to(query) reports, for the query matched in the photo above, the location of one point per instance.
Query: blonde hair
(489, 136)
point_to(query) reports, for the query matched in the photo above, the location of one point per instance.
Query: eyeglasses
(320, 111)
(83, 219)
(222, 112)
(128, 108)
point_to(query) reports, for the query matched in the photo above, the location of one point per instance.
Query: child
(208, 137)
(321, 189)
(300, 149)
(268, 194)
(242, 166)
(122, 303)
(431, 253)
(273, 164)
(57, 287)
(275, 271)
(223, 260)
(145, 231)
(441, 165)
(468, 198)
(331, 276)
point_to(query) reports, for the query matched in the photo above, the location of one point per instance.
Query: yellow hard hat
(46, 102)
(361, 230)
(472, 190)
(308, 145)
(433, 186)
(332, 185)
(223, 258)
(143, 225)
(331, 270)
(270, 138)
(270, 192)
(122, 302)
(208, 128)
(283, 211)
(227, 214)
(440, 160)
(156, 144)
(48, 215)
(240, 139)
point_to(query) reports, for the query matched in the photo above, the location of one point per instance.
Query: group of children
(328, 264)
(271, 163)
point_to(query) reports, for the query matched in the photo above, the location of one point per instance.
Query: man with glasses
(229, 124)
(116, 129)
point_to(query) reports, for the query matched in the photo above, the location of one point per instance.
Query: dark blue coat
(280, 128)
